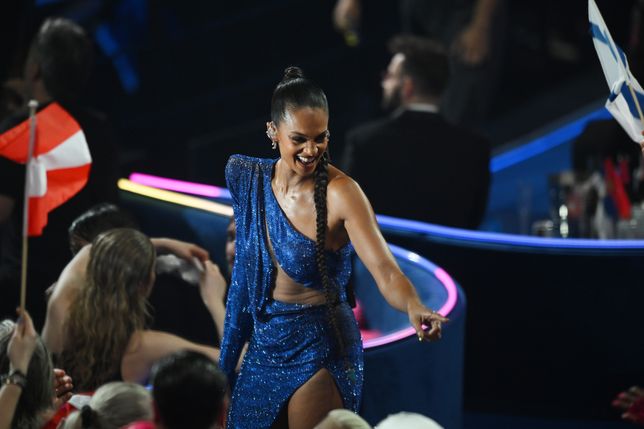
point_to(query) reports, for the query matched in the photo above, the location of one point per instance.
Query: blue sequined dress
(288, 343)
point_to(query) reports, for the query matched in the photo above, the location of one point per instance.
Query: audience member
(27, 391)
(631, 403)
(404, 420)
(343, 419)
(435, 172)
(57, 67)
(119, 278)
(189, 390)
(84, 230)
(112, 406)
(473, 30)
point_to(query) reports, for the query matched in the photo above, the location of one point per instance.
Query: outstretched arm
(180, 248)
(362, 228)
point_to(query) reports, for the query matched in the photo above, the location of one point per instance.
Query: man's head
(95, 221)
(417, 73)
(59, 61)
(189, 390)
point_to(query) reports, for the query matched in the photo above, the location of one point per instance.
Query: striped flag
(60, 164)
(624, 88)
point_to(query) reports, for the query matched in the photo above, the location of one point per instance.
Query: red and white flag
(60, 163)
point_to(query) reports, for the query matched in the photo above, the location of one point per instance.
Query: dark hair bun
(292, 73)
(88, 417)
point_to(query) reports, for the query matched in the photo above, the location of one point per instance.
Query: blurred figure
(441, 171)
(473, 32)
(343, 419)
(27, 391)
(189, 391)
(631, 402)
(404, 420)
(112, 406)
(57, 67)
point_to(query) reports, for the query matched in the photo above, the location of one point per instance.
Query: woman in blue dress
(298, 221)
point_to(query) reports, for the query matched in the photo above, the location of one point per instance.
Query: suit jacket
(415, 165)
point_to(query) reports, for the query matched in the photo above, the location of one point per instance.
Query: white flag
(620, 103)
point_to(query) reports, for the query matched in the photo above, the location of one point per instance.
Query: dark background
(185, 84)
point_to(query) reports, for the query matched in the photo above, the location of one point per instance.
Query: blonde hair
(343, 419)
(113, 406)
(109, 308)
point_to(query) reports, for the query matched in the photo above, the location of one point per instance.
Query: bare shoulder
(343, 192)
(72, 277)
(341, 184)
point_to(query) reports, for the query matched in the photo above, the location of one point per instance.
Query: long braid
(319, 197)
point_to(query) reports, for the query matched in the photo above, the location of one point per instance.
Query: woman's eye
(298, 139)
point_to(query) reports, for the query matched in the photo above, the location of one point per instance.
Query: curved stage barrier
(554, 325)
(401, 374)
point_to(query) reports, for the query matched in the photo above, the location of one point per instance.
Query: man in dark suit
(414, 164)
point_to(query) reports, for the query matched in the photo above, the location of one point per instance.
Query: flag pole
(637, 103)
(33, 105)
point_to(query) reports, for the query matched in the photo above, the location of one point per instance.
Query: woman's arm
(212, 288)
(355, 211)
(147, 347)
(71, 281)
(180, 248)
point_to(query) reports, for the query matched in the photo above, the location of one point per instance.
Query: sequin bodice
(294, 251)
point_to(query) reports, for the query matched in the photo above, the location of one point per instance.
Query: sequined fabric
(288, 343)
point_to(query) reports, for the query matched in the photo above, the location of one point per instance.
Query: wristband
(15, 377)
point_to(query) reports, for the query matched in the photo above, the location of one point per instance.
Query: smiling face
(303, 137)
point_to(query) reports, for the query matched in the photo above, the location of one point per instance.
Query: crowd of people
(290, 346)
(289, 353)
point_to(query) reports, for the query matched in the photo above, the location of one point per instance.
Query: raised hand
(23, 343)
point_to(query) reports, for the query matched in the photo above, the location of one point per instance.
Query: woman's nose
(310, 148)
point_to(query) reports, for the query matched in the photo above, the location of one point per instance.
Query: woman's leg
(313, 400)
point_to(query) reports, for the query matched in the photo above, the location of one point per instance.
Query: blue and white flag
(620, 103)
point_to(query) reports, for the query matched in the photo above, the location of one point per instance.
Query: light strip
(475, 237)
(176, 198)
(494, 238)
(545, 143)
(445, 310)
(180, 185)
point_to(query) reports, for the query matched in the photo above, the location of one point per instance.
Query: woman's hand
(23, 343)
(427, 323)
(212, 286)
(182, 249)
(631, 402)
(62, 387)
